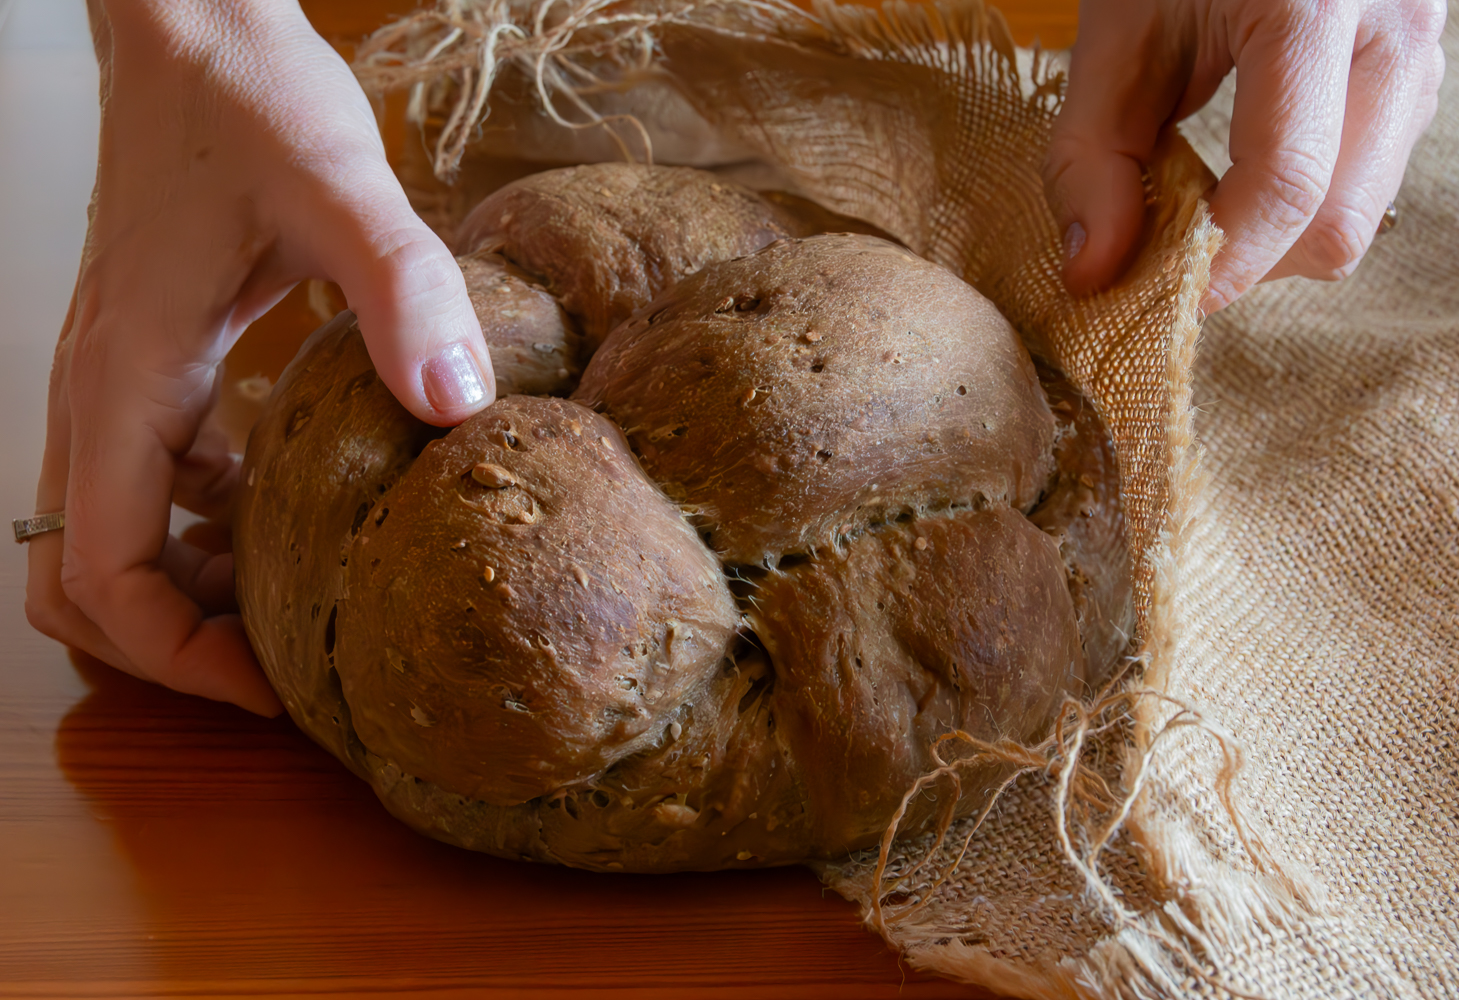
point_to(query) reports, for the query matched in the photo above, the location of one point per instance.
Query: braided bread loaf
(806, 507)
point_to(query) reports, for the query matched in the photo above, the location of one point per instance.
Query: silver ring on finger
(27, 528)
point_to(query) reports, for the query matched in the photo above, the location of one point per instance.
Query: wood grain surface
(153, 844)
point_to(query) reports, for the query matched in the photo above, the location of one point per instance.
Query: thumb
(414, 311)
(1126, 77)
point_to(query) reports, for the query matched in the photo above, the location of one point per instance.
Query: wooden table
(158, 845)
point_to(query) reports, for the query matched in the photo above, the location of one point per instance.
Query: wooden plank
(165, 845)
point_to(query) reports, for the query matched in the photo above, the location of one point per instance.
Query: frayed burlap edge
(451, 58)
(1205, 911)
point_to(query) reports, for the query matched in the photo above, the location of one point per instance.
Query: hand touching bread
(237, 157)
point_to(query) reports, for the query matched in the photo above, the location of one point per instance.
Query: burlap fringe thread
(449, 60)
(451, 57)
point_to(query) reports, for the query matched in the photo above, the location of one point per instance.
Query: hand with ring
(238, 156)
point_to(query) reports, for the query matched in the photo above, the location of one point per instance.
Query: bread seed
(675, 730)
(493, 476)
(920, 544)
(743, 856)
(488, 574)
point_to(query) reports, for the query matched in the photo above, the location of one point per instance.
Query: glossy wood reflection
(258, 862)
(153, 844)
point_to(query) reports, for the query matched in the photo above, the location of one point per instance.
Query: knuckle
(418, 269)
(1299, 182)
(1334, 245)
(83, 582)
(1296, 15)
(1434, 77)
(1425, 21)
(1059, 158)
(415, 255)
(46, 616)
(87, 356)
(80, 588)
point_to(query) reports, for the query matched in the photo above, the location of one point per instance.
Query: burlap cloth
(1268, 805)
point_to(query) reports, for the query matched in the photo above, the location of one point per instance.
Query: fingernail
(1073, 240)
(452, 380)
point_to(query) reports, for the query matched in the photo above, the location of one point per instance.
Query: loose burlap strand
(1265, 804)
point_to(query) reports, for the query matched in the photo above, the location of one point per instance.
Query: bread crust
(860, 383)
(526, 607)
(606, 238)
(566, 631)
(958, 622)
(536, 348)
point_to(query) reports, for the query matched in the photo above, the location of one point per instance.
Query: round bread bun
(606, 238)
(535, 346)
(517, 632)
(955, 622)
(821, 385)
(332, 440)
(527, 607)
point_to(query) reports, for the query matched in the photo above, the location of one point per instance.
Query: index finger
(1286, 130)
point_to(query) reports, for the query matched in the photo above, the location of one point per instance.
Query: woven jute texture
(1268, 804)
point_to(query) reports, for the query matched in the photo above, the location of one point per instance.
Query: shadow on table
(260, 856)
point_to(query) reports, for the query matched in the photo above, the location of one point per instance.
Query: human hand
(237, 157)
(1330, 100)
